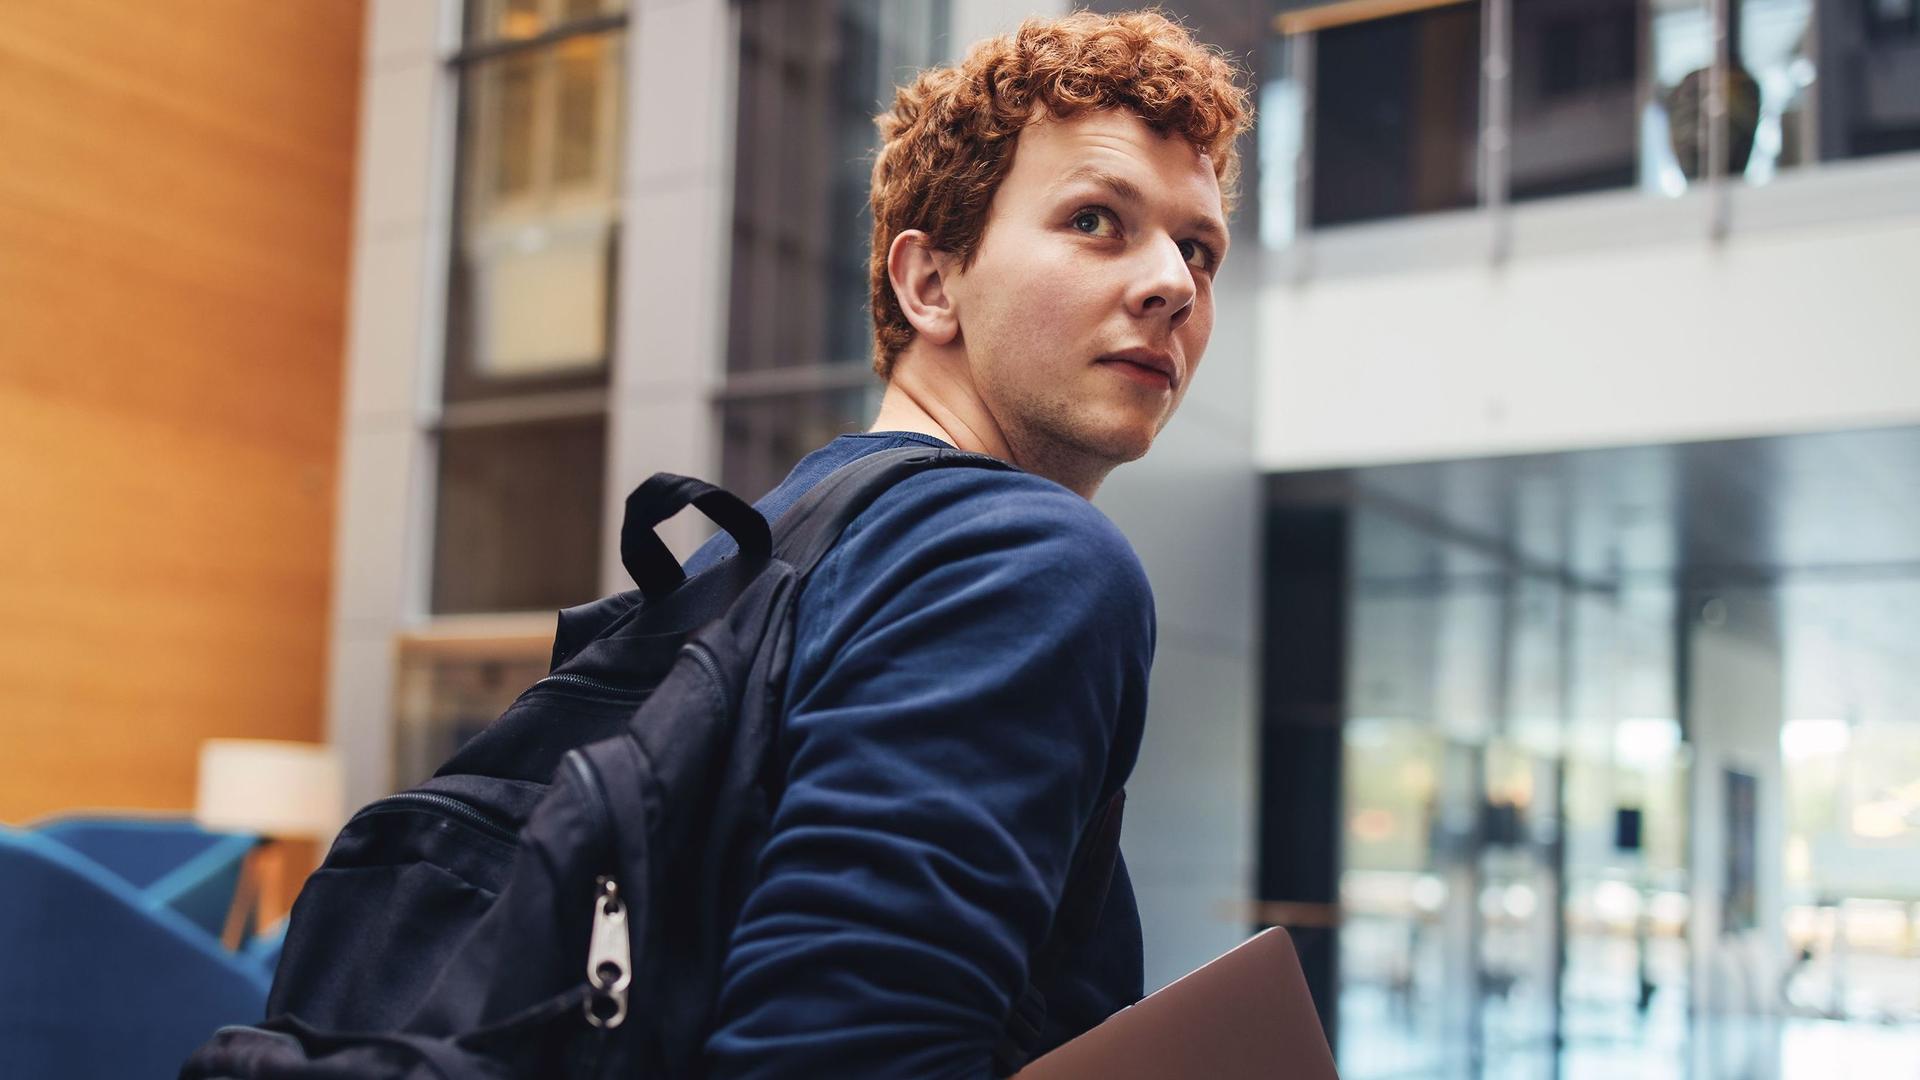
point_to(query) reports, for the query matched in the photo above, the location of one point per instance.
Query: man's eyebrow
(1099, 177)
(1209, 228)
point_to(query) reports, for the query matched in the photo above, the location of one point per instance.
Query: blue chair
(100, 981)
(172, 862)
(264, 950)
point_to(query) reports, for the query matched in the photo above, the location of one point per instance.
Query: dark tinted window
(1575, 101)
(1396, 116)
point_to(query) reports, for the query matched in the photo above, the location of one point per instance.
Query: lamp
(278, 790)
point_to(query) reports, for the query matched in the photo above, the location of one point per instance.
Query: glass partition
(1514, 816)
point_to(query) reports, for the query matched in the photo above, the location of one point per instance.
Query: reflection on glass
(443, 697)
(1574, 96)
(513, 20)
(517, 516)
(1396, 119)
(1514, 889)
(1392, 941)
(532, 275)
(510, 94)
(813, 74)
(764, 437)
(1775, 38)
(1850, 764)
(583, 107)
(1869, 95)
(1279, 128)
(1511, 741)
(1673, 135)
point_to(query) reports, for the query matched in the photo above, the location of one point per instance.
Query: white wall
(1617, 321)
(1191, 508)
(401, 224)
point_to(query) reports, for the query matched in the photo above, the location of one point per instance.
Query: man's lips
(1145, 364)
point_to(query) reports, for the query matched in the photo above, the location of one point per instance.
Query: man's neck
(932, 393)
(935, 395)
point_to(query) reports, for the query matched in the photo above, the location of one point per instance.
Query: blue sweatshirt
(968, 686)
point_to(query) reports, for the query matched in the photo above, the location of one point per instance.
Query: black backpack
(558, 898)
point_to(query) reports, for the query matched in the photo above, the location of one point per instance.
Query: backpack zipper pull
(609, 958)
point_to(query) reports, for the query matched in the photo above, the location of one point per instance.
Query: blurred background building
(1537, 557)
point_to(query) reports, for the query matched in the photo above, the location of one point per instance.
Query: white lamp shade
(278, 789)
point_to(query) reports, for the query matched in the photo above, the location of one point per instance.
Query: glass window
(1279, 130)
(1396, 115)
(1776, 50)
(448, 691)
(522, 437)
(1869, 63)
(538, 206)
(1673, 132)
(516, 20)
(1574, 96)
(813, 74)
(763, 437)
(518, 516)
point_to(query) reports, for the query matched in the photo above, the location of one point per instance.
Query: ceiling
(1823, 529)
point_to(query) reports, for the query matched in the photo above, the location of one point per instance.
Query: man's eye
(1198, 255)
(1093, 223)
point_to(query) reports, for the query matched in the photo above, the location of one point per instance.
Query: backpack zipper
(595, 684)
(609, 958)
(609, 948)
(455, 807)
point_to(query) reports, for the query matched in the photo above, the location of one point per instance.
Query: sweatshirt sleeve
(968, 683)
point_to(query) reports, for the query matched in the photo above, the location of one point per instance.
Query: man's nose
(1165, 286)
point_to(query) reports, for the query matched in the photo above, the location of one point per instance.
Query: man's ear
(918, 274)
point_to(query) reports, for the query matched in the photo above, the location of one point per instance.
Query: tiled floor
(1378, 1044)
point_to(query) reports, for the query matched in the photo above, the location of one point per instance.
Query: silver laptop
(1246, 1015)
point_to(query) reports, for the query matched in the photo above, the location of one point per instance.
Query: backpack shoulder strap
(809, 529)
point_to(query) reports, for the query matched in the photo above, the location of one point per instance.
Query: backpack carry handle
(663, 495)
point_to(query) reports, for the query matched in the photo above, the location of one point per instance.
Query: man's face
(1090, 298)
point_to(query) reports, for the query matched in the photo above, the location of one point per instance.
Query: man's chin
(1118, 446)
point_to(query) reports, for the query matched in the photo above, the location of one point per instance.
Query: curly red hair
(948, 140)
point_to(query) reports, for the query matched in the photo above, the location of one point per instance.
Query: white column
(675, 242)
(394, 328)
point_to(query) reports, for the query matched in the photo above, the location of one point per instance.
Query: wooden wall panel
(176, 185)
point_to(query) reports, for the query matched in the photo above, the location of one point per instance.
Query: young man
(970, 677)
